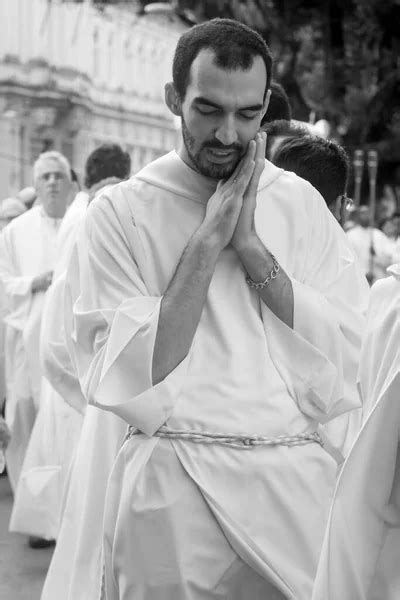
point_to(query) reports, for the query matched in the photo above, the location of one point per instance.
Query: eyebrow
(206, 102)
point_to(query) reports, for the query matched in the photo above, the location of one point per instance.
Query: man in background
(57, 428)
(324, 163)
(278, 131)
(279, 106)
(372, 247)
(27, 258)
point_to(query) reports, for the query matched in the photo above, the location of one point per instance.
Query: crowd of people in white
(140, 337)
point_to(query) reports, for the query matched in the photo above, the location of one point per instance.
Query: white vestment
(361, 551)
(27, 249)
(3, 313)
(39, 497)
(257, 515)
(361, 239)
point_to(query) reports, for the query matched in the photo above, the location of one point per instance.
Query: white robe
(40, 494)
(271, 504)
(27, 249)
(3, 313)
(361, 551)
(361, 238)
(75, 569)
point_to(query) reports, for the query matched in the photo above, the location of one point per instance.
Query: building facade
(73, 77)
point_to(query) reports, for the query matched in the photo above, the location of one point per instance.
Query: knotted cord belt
(236, 440)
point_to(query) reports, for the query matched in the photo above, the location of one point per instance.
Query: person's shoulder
(278, 178)
(386, 291)
(297, 191)
(27, 219)
(108, 198)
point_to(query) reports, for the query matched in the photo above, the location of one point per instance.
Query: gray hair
(53, 155)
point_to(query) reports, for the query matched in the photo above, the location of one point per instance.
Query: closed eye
(249, 114)
(206, 110)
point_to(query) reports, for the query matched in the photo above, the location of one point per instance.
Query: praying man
(219, 314)
(27, 259)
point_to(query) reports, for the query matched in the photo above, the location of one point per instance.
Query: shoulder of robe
(280, 183)
(386, 293)
(115, 198)
(23, 223)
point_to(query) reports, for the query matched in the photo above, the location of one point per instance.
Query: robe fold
(245, 372)
(27, 249)
(361, 551)
(40, 495)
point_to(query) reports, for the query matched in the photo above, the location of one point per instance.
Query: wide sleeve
(380, 352)
(318, 358)
(17, 288)
(115, 321)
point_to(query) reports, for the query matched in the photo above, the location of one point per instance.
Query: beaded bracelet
(262, 284)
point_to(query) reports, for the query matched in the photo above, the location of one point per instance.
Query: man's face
(52, 186)
(221, 113)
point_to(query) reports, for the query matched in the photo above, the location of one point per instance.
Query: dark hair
(235, 46)
(323, 163)
(279, 105)
(284, 129)
(108, 160)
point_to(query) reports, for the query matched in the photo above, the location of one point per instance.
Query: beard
(199, 160)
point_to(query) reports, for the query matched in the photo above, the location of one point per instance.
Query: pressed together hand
(230, 210)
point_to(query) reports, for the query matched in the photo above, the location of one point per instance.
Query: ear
(172, 99)
(266, 102)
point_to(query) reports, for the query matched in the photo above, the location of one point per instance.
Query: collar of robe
(171, 173)
(52, 220)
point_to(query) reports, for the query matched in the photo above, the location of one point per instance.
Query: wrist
(208, 240)
(248, 245)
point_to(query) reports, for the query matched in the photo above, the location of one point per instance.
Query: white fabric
(39, 496)
(3, 313)
(38, 509)
(66, 236)
(75, 571)
(27, 249)
(361, 552)
(289, 379)
(361, 239)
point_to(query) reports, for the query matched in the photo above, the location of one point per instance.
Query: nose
(226, 132)
(52, 178)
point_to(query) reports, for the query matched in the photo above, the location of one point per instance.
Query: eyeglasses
(345, 202)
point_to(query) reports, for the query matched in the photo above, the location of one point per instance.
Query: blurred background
(77, 73)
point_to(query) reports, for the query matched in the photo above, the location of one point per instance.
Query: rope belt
(237, 440)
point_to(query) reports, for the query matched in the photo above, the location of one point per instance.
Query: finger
(243, 181)
(261, 141)
(243, 164)
(259, 165)
(255, 179)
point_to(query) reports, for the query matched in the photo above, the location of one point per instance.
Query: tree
(337, 58)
